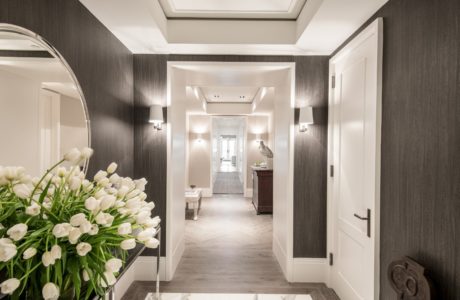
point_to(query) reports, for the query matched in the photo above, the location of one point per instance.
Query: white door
(354, 189)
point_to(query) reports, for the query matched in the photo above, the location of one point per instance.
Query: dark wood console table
(262, 190)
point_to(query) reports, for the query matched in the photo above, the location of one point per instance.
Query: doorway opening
(227, 234)
(228, 154)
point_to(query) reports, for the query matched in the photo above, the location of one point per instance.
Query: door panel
(351, 146)
(352, 241)
(355, 130)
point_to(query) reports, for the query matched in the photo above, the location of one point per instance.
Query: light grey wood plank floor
(228, 250)
(228, 183)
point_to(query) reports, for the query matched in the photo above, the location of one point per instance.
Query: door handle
(368, 219)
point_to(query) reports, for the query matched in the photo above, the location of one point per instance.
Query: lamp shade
(306, 115)
(156, 114)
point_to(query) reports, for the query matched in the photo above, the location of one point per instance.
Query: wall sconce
(305, 118)
(156, 116)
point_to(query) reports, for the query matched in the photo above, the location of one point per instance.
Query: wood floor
(228, 183)
(229, 250)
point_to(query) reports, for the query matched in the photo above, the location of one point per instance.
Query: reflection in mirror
(42, 113)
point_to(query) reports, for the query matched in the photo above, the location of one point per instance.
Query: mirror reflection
(42, 114)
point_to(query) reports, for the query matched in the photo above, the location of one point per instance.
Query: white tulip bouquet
(63, 236)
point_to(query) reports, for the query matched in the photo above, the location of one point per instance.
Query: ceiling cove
(233, 9)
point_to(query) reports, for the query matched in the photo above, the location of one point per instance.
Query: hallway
(228, 183)
(154, 120)
(229, 250)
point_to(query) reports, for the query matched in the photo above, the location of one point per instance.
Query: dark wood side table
(262, 190)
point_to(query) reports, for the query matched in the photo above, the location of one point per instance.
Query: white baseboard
(248, 193)
(310, 270)
(301, 269)
(176, 257)
(280, 256)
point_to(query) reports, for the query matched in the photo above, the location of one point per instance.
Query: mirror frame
(10, 28)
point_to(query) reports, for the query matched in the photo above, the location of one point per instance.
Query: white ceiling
(14, 42)
(238, 9)
(191, 81)
(240, 27)
(47, 71)
(226, 122)
(229, 94)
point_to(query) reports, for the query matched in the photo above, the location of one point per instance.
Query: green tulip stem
(30, 271)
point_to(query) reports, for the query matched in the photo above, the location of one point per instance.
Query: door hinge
(333, 81)
(331, 259)
(331, 171)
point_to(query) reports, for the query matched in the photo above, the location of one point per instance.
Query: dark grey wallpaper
(103, 66)
(420, 183)
(310, 160)
(150, 159)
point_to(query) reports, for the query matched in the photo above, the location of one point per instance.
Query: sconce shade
(156, 114)
(306, 115)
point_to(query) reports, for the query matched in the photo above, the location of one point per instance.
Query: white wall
(19, 134)
(257, 125)
(199, 151)
(73, 124)
(176, 161)
(20, 113)
(283, 173)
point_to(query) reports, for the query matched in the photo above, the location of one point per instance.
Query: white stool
(193, 200)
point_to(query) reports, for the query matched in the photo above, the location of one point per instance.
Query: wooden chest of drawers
(262, 190)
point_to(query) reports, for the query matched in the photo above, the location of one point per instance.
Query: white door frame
(246, 193)
(283, 249)
(374, 29)
(49, 124)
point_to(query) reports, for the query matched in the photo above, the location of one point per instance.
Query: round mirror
(43, 112)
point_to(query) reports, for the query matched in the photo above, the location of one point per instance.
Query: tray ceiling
(229, 94)
(240, 27)
(233, 9)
